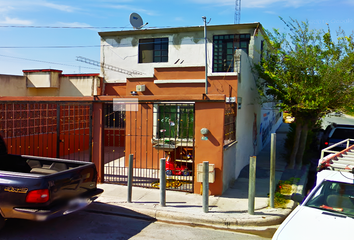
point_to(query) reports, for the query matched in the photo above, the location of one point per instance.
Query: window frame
(228, 44)
(158, 46)
(176, 137)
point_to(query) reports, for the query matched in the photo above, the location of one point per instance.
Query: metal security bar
(230, 123)
(154, 131)
(47, 129)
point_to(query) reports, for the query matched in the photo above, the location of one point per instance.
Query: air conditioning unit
(140, 88)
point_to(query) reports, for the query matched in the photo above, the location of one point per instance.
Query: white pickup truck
(328, 211)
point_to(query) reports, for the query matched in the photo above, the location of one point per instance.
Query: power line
(34, 60)
(92, 46)
(2, 26)
(79, 46)
(67, 27)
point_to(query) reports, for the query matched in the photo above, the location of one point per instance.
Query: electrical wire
(92, 46)
(79, 46)
(67, 27)
(34, 60)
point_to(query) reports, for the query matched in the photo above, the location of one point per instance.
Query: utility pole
(237, 12)
(206, 54)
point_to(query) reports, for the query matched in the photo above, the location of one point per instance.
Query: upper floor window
(224, 47)
(153, 50)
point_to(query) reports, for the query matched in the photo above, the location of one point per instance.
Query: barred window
(230, 123)
(175, 121)
(224, 47)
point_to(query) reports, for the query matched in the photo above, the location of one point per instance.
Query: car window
(340, 133)
(334, 197)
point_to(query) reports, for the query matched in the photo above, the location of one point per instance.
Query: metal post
(252, 185)
(130, 178)
(163, 182)
(206, 186)
(90, 132)
(272, 169)
(58, 131)
(206, 55)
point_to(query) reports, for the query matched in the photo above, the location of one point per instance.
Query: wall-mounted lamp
(239, 102)
(134, 93)
(204, 131)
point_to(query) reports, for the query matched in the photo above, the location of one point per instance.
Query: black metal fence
(65, 130)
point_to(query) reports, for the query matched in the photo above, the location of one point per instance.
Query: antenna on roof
(136, 21)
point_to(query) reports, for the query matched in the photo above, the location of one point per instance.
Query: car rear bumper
(57, 211)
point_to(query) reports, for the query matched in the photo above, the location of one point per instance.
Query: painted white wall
(186, 47)
(68, 86)
(247, 125)
(42, 79)
(78, 86)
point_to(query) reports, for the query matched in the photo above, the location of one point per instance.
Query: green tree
(308, 74)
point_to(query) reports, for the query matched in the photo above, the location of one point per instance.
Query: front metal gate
(48, 129)
(150, 132)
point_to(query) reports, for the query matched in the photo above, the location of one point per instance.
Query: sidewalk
(229, 211)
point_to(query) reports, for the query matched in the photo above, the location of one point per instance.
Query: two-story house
(184, 113)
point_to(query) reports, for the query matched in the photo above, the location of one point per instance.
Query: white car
(326, 213)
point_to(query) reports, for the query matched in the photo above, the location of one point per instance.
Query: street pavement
(228, 211)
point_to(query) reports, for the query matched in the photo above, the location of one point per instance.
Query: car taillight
(38, 196)
(326, 143)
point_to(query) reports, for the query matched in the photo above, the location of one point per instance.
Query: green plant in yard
(283, 192)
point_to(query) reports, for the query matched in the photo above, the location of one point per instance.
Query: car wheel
(185, 173)
(168, 172)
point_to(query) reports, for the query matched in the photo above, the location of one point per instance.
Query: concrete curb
(264, 217)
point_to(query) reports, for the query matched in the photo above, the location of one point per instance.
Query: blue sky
(24, 47)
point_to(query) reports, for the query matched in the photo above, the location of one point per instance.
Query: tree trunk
(294, 151)
(302, 145)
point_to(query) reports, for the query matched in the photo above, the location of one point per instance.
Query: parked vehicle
(338, 114)
(40, 188)
(328, 210)
(335, 133)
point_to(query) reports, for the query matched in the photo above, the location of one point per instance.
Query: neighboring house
(50, 82)
(164, 70)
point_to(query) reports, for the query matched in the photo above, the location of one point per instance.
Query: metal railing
(328, 149)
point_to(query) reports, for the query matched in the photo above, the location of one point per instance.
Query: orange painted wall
(139, 125)
(210, 116)
(216, 84)
(118, 89)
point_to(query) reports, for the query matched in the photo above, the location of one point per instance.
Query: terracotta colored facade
(209, 113)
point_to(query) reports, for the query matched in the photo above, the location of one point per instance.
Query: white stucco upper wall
(78, 86)
(186, 48)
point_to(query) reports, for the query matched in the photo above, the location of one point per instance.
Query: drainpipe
(206, 55)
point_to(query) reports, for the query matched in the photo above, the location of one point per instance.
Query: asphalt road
(86, 225)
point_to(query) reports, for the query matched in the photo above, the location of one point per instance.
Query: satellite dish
(136, 21)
